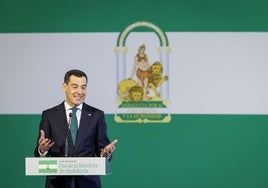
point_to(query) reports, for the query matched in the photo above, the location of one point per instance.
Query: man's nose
(79, 90)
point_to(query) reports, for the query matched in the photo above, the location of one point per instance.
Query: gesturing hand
(44, 143)
(108, 150)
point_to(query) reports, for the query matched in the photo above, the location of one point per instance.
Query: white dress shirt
(68, 110)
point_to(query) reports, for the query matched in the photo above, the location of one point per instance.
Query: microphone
(67, 135)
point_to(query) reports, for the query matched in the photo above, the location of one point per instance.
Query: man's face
(75, 90)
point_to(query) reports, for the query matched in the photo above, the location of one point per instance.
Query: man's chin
(78, 102)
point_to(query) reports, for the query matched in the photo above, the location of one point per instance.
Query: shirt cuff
(42, 154)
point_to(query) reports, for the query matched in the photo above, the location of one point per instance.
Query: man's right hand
(44, 143)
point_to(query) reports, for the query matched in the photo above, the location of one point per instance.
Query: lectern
(43, 166)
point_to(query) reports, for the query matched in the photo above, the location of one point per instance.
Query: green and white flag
(216, 134)
(47, 166)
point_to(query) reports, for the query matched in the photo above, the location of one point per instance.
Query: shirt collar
(68, 107)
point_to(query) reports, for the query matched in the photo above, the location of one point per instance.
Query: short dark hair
(74, 72)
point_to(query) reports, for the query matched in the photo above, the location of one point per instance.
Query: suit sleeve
(102, 133)
(44, 125)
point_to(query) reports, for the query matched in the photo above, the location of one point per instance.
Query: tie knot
(74, 110)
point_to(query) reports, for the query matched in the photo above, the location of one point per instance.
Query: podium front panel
(43, 166)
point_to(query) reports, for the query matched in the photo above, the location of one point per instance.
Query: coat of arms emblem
(143, 92)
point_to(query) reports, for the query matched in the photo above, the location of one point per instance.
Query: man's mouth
(78, 97)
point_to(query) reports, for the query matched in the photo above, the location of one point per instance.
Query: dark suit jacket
(91, 138)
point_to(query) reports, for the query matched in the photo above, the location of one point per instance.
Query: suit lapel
(64, 125)
(86, 116)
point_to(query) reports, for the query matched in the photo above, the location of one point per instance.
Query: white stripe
(47, 166)
(209, 72)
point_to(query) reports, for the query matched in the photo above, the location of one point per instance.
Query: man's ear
(64, 85)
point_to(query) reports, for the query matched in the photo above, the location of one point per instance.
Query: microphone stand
(67, 135)
(68, 181)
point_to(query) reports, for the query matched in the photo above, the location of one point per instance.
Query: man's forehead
(78, 80)
(73, 77)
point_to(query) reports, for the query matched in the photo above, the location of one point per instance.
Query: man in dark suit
(90, 140)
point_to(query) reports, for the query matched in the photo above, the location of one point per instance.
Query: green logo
(47, 166)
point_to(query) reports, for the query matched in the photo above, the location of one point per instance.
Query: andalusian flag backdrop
(216, 60)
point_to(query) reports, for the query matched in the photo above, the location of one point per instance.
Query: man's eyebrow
(73, 84)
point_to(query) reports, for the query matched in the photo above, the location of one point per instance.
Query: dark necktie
(74, 125)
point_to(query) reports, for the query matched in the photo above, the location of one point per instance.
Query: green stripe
(47, 170)
(47, 162)
(114, 16)
(193, 151)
